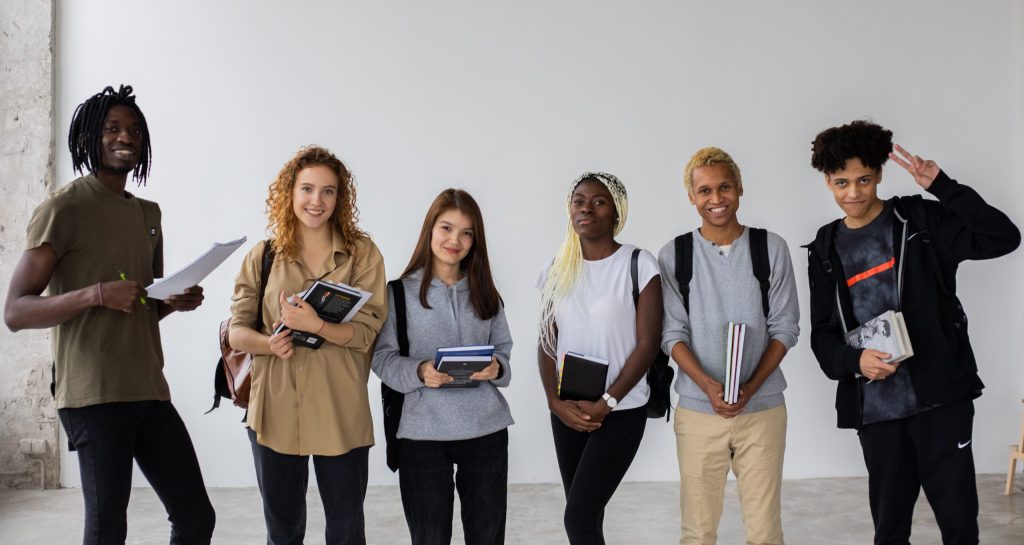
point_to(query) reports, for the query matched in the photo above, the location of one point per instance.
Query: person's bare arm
(26, 308)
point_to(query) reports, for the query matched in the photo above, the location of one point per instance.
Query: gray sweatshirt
(443, 414)
(722, 290)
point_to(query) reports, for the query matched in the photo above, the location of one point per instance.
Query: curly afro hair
(861, 139)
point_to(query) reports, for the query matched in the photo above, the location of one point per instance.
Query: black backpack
(660, 374)
(391, 399)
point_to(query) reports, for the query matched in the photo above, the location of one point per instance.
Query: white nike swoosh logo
(962, 445)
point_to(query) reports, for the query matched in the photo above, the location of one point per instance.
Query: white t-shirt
(598, 318)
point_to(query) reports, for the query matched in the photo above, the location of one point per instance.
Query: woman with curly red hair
(310, 402)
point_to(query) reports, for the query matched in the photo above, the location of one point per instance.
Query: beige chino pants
(752, 444)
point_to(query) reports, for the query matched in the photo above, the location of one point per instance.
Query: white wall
(512, 100)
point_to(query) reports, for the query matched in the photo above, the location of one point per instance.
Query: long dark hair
(483, 294)
(85, 137)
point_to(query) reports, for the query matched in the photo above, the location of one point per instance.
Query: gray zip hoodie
(443, 414)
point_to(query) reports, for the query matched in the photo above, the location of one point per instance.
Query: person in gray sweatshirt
(450, 300)
(712, 435)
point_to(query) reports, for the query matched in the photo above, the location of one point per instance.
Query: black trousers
(283, 479)
(428, 491)
(930, 450)
(108, 437)
(592, 466)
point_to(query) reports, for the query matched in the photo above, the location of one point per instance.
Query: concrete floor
(815, 511)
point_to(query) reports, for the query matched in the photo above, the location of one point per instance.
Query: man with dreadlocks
(95, 245)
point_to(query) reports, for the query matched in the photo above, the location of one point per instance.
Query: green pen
(141, 298)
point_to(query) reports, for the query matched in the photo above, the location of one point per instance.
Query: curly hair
(862, 139)
(706, 157)
(283, 224)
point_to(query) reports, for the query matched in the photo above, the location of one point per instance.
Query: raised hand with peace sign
(924, 171)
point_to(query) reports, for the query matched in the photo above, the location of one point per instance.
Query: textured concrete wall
(27, 412)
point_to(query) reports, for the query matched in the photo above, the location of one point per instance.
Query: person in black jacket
(913, 418)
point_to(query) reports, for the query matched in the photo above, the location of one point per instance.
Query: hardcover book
(886, 332)
(581, 377)
(460, 362)
(734, 361)
(334, 303)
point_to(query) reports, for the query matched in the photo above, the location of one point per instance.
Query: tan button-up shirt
(316, 402)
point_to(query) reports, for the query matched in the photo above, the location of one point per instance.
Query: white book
(886, 332)
(735, 336)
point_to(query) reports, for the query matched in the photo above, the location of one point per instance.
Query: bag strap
(634, 273)
(265, 265)
(684, 266)
(398, 292)
(760, 263)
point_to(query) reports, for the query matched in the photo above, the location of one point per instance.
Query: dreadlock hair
(862, 139)
(85, 138)
(283, 225)
(568, 263)
(482, 293)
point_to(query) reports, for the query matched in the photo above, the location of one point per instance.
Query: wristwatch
(611, 401)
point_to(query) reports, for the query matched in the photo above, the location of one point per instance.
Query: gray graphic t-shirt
(869, 263)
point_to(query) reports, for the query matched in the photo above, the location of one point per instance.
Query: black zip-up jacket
(930, 239)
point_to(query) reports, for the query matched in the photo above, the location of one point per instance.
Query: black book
(460, 362)
(582, 377)
(334, 303)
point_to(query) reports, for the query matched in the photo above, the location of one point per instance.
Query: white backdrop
(511, 101)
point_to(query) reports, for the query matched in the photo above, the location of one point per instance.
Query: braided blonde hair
(567, 265)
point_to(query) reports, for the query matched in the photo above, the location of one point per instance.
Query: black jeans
(107, 437)
(930, 450)
(283, 479)
(428, 493)
(592, 466)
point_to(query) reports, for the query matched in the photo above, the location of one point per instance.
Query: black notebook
(582, 377)
(334, 303)
(460, 362)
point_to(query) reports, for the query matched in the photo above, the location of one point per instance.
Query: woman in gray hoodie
(450, 301)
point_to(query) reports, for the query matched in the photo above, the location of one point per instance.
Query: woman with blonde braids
(310, 402)
(587, 307)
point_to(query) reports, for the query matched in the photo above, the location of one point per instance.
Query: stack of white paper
(734, 361)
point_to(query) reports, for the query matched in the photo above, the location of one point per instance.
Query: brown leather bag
(233, 375)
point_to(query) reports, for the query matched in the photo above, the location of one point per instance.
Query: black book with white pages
(886, 332)
(460, 362)
(334, 303)
(582, 378)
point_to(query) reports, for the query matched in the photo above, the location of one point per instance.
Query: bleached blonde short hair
(706, 157)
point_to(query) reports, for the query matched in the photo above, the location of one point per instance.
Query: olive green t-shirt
(103, 355)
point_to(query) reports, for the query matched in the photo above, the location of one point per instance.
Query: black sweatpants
(592, 466)
(107, 437)
(930, 450)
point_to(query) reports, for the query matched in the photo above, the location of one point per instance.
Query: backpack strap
(398, 292)
(760, 263)
(634, 274)
(265, 265)
(684, 266)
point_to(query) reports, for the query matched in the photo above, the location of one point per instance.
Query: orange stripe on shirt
(871, 272)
